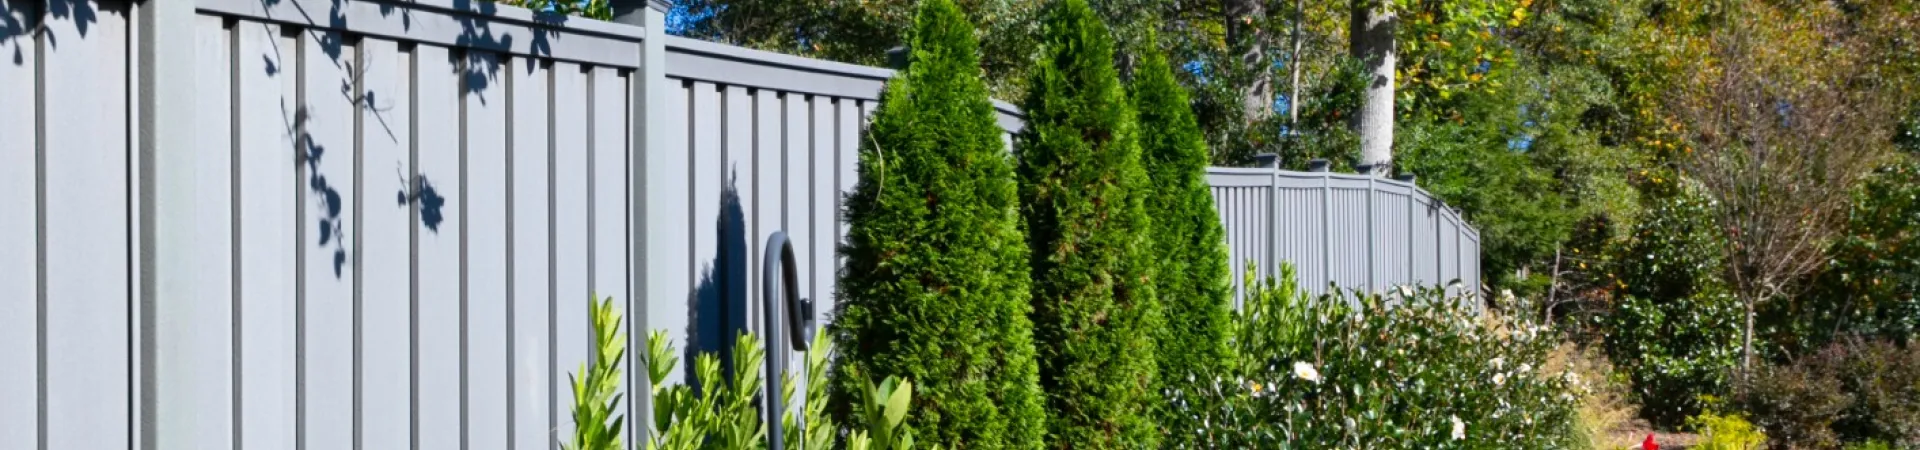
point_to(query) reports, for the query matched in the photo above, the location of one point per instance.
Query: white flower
(1524, 367)
(1459, 428)
(1306, 371)
(1498, 363)
(1500, 379)
(1573, 378)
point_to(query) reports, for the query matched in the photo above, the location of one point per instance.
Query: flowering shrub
(1675, 329)
(1417, 369)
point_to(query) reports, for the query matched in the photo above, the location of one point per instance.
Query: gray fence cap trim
(510, 29)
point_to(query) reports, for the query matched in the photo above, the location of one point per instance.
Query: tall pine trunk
(1372, 42)
(1244, 18)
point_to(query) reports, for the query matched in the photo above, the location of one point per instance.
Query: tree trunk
(1293, 67)
(1372, 42)
(1746, 348)
(1244, 18)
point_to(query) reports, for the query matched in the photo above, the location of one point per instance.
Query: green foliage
(1726, 432)
(1082, 193)
(1797, 404)
(1873, 272)
(596, 401)
(1417, 370)
(819, 427)
(884, 409)
(593, 9)
(935, 286)
(721, 415)
(1870, 445)
(1675, 331)
(1849, 392)
(1188, 241)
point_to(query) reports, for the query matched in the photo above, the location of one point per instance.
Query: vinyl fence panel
(1342, 231)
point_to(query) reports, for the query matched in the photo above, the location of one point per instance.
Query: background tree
(1783, 119)
(935, 287)
(1192, 279)
(1083, 194)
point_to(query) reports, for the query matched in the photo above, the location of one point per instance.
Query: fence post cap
(1319, 165)
(1266, 160)
(1407, 177)
(897, 57)
(629, 11)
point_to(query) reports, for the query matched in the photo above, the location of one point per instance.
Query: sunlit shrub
(1414, 369)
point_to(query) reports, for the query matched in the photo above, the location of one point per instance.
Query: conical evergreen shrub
(1094, 310)
(935, 285)
(1192, 279)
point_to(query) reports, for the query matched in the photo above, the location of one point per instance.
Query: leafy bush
(596, 403)
(1094, 307)
(935, 286)
(1870, 284)
(1415, 370)
(1726, 432)
(1851, 392)
(1884, 380)
(1187, 237)
(1676, 331)
(1796, 404)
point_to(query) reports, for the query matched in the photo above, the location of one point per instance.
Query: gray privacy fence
(322, 224)
(1349, 231)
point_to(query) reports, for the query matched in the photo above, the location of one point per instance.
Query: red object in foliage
(1649, 444)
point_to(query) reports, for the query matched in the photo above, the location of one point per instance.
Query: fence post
(1412, 274)
(1372, 236)
(651, 184)
(1326, 221)
(167, 363)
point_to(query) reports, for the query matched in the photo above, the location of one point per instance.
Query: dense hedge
(1195, 297)
(935, 286)
(1676, 330)
(1094, 310)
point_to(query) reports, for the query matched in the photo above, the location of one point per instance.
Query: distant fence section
(1349, 231)
(328, 224)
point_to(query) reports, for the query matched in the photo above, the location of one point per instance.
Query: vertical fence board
(764, 216)
(667, 307)
(610, 232)
(736, 230)
(19, 231)
(212, 334)
(326, 198)
(852, 122)
(385, 240)
(486, 96)
(571, 336)
(267, 191)
(532, 253)
(437, 359)
(706, 171)
(797, 214)
(86, 176)
(825, 199)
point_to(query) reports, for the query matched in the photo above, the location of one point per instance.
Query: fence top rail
(727, 64)
(472, 24)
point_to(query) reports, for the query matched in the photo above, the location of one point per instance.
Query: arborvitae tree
(935, 286)
(1192, 279)
(1094, 310)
